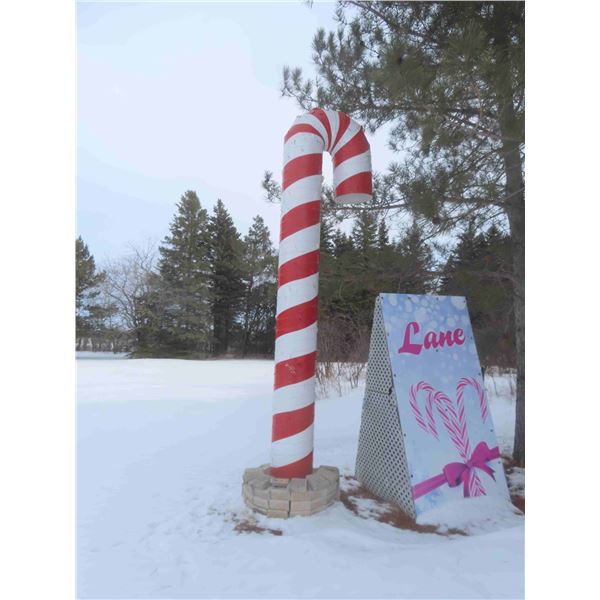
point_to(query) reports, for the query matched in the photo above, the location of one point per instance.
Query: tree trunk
(515, 210)
(517, 226)
(515, 207)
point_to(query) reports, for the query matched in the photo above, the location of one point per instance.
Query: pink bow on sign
(456, 473)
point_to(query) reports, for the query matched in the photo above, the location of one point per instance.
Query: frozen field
(162, 445)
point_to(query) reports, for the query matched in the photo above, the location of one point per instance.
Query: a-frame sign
(426, 435)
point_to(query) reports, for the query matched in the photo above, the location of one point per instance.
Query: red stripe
(295, 370)
(298, 218)
(300, 468)
(357, 145)
(299, 267)
(297, 317)
(320, 114)
(301, 167)
(361, 183)
(301, 128)
(344, 122)
(292, 422)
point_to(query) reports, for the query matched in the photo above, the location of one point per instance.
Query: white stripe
(299, 243)
(312, 120)
(350, 132)
(296, 343)
(300, 145)
(297, 292)
(307, 189)
(353, 199)
(357, 164)
(294, 396)
(334, 123)
(289, 450)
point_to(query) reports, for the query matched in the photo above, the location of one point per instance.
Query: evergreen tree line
(208, 292)
(356, 267)
(211, 292)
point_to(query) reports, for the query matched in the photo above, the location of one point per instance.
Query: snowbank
(162, 445)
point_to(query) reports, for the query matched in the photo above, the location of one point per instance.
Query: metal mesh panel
(381, 460)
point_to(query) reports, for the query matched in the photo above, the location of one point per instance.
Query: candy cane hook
(297, 294)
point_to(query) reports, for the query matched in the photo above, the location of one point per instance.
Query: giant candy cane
(296, 326)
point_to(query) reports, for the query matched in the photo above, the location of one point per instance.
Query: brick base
(282, 498)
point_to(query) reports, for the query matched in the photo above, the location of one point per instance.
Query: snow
(483, 513)
(86, 354)
(162, 445)
(500, 391)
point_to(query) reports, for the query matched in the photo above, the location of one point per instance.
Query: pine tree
(383, 236)
(361, 272)
(416, 261)
(342, 244)
(327, 233)
(450, 79)
(184, 272)
(364, 233)
(226, 283)
(153, 330)
(388, 261)
(329, 249)
(260, 290)
(475, 269)
(89, 313)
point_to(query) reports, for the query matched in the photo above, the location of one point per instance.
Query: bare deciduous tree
(128, 279)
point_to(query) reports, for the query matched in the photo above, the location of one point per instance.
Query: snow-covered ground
(162, 445)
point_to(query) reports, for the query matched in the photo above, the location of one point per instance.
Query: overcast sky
(178, 96)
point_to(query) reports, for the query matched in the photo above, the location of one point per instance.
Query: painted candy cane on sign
(296, 327)
(464, 382)
(454, 420)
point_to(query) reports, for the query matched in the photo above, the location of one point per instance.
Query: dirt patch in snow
(250, 525)
(351, 494)
(516, 482)
(519, 502)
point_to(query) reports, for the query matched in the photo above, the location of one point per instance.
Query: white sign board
(449, 445)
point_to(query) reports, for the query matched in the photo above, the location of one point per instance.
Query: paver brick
(260, 483)
(279, 493)
(318, 504)
(279, 504)
(316, 482)
(329, 473)
(250, 474)
(259, 509)
(261, 502)
(298, 484)
(301, 495)
(301, 505)
(279, 482)
(277, 514)
(246, 491)
(264, 494)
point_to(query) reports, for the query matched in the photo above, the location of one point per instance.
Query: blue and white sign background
(434, 357)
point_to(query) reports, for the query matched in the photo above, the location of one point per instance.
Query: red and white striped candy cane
(460, 390)
(412, 397)
(296, 326)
